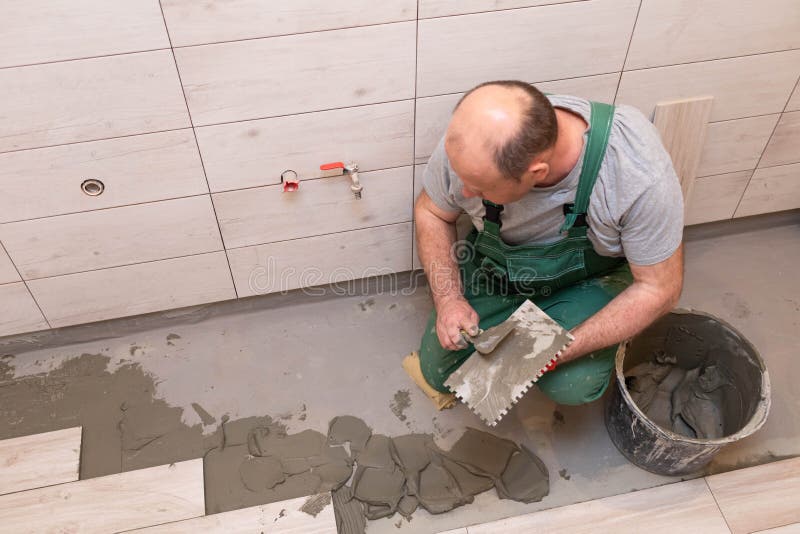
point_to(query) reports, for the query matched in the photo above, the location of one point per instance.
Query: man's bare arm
(654, 292)
(436, 234)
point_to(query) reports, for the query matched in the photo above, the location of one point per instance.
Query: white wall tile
(735, 145)
(680, 31)
(134, 289)
(298, 73)
(715, 198)
(338, 257)
(433, 112)
(141, 168)
(191, 22)
(35, 31)
(784, 147)
(323, 206)
(19, 312)
(771, 189)
(737, 85)
(8, 273)
(457, 53)
(90, 99)
(108, 238)
(255, 153)
(444, 8)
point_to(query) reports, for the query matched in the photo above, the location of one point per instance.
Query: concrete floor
(324, 356)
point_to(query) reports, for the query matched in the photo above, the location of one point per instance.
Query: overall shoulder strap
(601, 118)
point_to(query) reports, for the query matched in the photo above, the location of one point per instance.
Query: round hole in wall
(92, 187)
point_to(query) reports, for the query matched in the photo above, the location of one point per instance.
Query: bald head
(503, 124)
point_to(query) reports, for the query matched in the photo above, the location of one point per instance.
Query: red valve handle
(331, 166)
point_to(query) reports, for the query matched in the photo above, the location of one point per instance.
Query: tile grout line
(766, 146)
(716, 503)
(25, 282)
(627, 51)
(414, 140)
(199, 153)
(83, 58)
(796, 89)
(550, 4)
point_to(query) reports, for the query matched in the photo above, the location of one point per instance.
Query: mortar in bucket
(694, 344)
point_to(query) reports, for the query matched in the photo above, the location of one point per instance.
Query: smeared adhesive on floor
(254, 460)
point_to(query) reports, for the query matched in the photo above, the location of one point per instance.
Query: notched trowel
(508, 359)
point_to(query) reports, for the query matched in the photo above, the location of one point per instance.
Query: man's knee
(581, 381)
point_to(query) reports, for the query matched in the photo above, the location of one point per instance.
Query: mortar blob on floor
(388, 474)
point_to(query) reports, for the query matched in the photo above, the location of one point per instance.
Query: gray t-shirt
(635, 209)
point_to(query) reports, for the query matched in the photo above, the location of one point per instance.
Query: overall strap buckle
(493, 212)
(580, 218)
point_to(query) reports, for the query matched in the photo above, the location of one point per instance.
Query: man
(575, 205)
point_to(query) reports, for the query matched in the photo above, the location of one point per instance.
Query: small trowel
(485, 341)
(509, 358)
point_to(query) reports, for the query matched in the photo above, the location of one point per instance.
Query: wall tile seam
(25, 283)
(326, 234)
(130, 204)
(197, 148)
(83, 58)
(94, 140)
(715, 174)
(483, 12)
(123, 265)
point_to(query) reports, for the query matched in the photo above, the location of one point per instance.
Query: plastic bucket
(660, 450)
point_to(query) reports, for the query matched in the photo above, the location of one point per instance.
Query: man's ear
(538, 171)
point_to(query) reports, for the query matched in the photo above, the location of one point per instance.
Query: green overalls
(567, 279)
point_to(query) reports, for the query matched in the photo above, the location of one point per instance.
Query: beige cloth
(412, 367)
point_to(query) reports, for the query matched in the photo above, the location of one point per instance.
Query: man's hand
(452, 316)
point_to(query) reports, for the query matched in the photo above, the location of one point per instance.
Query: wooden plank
(298, 73)
(680, 31)
(134, 289)
(737, 84)
(321, 260)
(110, 238)
(90, 99)
(19, 312)
(323, 206)
(446, 8)
(771, 189)
(35, 31)
(141, 168)
(191, 22)
(735, 145)
(683, 125)
(39, 460)
(604, 26)
(8, 273)
(255, 153)
(759, 497)
(784, 146)
(433, 112)
(111, 503)
(714, 198)
(682, 507)
(276, 518)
